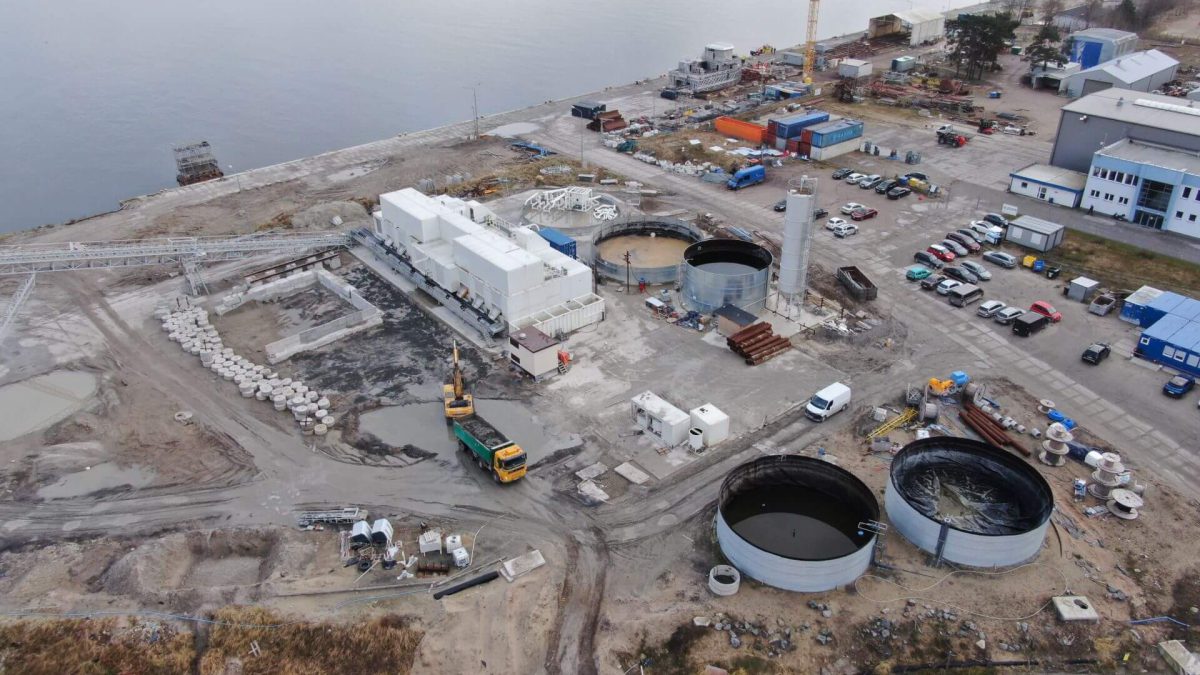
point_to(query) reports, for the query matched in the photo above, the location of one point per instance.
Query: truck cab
(751, 175)
(509, 464)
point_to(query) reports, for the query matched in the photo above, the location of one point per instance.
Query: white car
(948, 285)
(869, 181)
(834, 223)
(845, 230)
(851, 207)
(855, 177)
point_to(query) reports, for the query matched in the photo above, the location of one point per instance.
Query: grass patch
(1122, 266)
(112, 646)
(87, 646)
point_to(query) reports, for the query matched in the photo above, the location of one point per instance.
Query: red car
(863, 214)
(964, 241)
(941, 253)
(1047, 310)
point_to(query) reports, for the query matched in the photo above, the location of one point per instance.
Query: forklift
(987, 127)
(458, 403)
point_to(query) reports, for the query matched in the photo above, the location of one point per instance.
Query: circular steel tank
(969, 502)
(717, 272)
(664, 228)
(793, 522)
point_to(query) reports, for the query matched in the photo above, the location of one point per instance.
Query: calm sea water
(93, 95)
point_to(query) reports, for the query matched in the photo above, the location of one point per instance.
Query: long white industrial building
(508, 272)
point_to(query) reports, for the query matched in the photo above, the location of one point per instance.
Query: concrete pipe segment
(968, 502)
(793, 522)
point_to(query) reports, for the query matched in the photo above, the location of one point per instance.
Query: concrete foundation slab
(1075, 608)
(631, 473)
(594, 471)
(522, 565)
(1179, 658)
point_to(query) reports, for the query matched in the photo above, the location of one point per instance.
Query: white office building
(1153, 185)
(507, 272)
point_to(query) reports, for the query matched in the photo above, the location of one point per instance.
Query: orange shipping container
(746, 131)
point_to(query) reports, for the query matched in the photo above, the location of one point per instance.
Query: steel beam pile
(988, 428)
(757, 343)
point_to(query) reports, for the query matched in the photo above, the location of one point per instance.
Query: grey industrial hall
(1105, 117)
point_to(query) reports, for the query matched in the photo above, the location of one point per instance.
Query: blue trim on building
(1042, 182)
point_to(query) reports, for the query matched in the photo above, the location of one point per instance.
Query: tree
(1050, 9)
(1126, 15)
(1046, 48)
(976, 42)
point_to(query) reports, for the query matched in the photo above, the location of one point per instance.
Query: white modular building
(508, 272)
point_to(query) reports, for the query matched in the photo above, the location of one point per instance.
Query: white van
(828, 402)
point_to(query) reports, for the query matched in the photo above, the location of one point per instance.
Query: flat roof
(533, 340)
(1036, 225)
(1104, 33)
(1053, 175)
(1135, 107)
(1133, 67)
(1153, 154)
(912, 16)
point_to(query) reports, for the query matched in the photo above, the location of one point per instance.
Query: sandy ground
(644, 251)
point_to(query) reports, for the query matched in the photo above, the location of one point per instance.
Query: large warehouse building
(1094, 46)
(921, 26)
(1140, 71)
(512, 274)
(1107, 116)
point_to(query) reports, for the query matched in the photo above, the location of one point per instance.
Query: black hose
(479, 580)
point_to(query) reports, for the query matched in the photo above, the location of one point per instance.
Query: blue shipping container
(1160, 307)
(792, 126)
(832, 133)
(558, 241)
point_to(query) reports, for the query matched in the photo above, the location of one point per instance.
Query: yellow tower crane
(810, 43)
(458, 403)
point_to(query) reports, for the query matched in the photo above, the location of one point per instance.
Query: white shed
(661, 419)
(854, 68)
(712, 423)
(1082, 289)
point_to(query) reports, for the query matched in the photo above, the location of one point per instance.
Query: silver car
(1007, 315)
(959, 249)
(989, 309)
(976, 269)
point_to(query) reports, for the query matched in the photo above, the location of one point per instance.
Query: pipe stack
(989, 429)
(757, 343)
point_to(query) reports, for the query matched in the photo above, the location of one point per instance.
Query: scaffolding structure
(14, 304)
(196, 163)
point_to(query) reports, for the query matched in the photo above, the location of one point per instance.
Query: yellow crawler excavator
(458, 403)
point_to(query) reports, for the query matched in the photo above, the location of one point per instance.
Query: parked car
(918, 175)
(1007, 315)
(855, 177)
(975, 268)
(884, 185)
(996, 219)
(1047, 310)
(960, 274)
(827, 402)
(863, 214)
(820, 213)
(1179, 385)
(1029, 323)
(1097, 352)
(898, 192)
(845, 230)
(851, 207)
(928, 259)
(781, 205)
(954, 246)
(967, 232)
(870, 181)
(917, 273)
(1000, 258)
(942, 253)
(834, 223)
(946, 285)
(931, 282)
(989, 309)
(841, 173)
(966, 242)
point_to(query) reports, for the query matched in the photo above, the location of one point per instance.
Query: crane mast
(810, 40)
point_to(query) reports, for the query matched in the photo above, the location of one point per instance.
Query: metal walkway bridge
(75, 255)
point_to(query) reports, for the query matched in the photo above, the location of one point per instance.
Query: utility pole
(475, 111)
(628, 258)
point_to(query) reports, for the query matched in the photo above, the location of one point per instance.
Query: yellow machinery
(458, 403)
(810, 41)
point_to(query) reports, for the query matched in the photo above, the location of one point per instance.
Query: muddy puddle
(40, 401)
(423, 425)
(100, 477)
